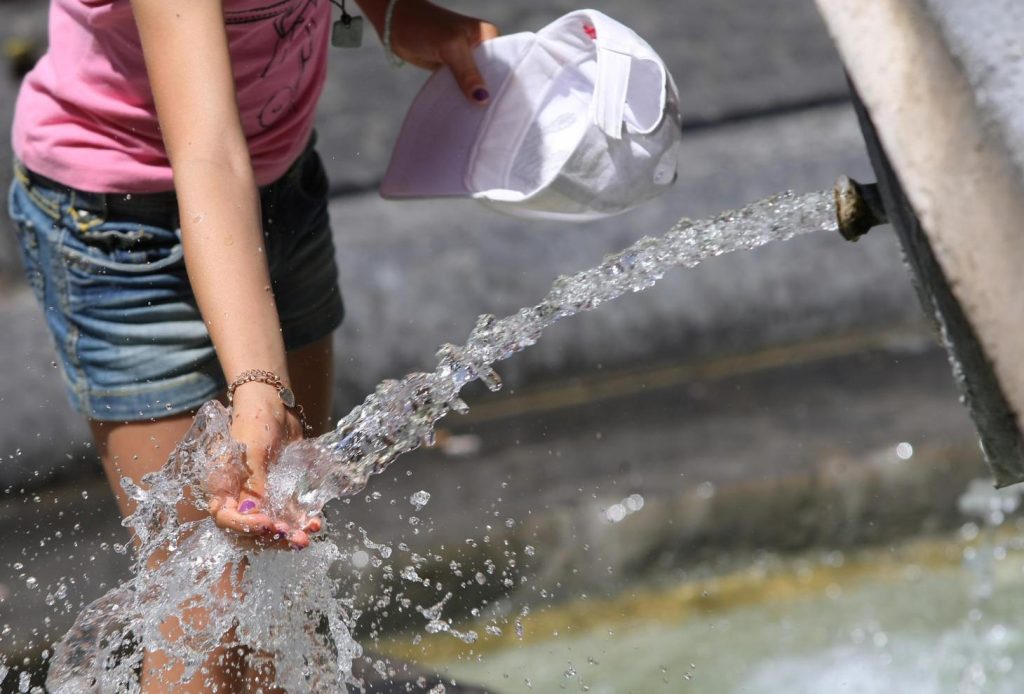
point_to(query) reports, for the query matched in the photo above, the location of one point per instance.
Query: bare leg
(312, 372)
(131, 450)
(134, 449)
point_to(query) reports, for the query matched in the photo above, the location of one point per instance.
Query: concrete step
(783, 449)
(417, 274)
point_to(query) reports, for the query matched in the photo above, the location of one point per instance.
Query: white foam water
(284, 605)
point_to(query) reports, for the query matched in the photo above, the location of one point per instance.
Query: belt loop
(20, 172)
(90, 219)
(72, 210)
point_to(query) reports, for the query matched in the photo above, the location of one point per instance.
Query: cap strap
(621, 56)
(609, 103)
(617, 46)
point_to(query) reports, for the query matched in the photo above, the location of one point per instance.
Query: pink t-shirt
(85, 114)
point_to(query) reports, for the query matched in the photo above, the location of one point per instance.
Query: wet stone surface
(770, 458)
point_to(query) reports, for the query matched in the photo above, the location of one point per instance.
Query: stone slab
(728, 458)
(938, 95)
(417, 274)
(984, 39)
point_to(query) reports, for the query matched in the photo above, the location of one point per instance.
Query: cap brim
(435, 145)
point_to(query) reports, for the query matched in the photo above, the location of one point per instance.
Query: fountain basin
(904, 618)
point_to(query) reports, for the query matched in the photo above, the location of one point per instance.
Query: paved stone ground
(721, 451)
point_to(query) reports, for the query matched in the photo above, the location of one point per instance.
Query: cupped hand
(262, 423)
(429, 36)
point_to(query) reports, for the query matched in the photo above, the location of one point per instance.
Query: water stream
(284, 605)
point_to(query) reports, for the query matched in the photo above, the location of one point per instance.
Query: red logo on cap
(590, 31)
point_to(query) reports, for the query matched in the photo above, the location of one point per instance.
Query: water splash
(985, 634)
(400, 415)
(281, 605)
(284, 605)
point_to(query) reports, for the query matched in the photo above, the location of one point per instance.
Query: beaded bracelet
(271, 379)
(388, 14)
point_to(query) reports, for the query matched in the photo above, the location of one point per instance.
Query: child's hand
(429, 36)
(264, 425)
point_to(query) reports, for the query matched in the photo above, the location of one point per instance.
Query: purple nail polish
(247, 506)
(481, 94)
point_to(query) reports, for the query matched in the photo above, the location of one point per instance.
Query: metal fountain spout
(859, 207)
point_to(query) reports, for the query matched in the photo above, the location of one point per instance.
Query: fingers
(246, 518)
(485, 32)
(299, 539)
(229, 514)
(458, 56)
(263, 425)
(255, 484)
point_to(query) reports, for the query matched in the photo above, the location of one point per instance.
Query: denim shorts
(110, 276)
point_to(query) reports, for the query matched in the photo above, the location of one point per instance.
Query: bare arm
(189, 67)
(186, 51)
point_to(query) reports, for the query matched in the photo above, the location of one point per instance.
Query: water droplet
(615, 513)
(705, 490)
(419, 499)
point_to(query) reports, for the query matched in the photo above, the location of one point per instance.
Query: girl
(172, 217)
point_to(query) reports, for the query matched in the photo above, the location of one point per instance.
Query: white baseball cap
(583, 122)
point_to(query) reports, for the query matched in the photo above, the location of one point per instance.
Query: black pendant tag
(347, 32)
